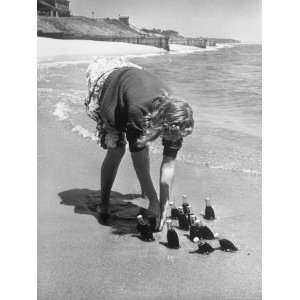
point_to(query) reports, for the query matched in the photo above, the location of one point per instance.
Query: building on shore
(53, 8)
(124, 19)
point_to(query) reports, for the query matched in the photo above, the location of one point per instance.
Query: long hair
(170, 114)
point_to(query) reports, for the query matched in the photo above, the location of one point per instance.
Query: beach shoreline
(49, 49)
(78, 258)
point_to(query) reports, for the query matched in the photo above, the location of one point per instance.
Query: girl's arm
(167, 174)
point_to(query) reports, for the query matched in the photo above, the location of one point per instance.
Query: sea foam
(84, 132)
(61, 111)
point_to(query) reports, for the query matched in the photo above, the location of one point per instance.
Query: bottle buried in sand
(182, 220)
(174, 211)
(144, 229)
(203, 231)
(172, 236)
(203, 248)
(227, 246)
(209, 211)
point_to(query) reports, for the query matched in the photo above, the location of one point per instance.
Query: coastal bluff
(106, 29)
(85, 26)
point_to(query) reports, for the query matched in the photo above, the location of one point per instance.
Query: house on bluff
(53, 8)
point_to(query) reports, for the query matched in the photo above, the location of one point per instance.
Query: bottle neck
(169, 226)
(184, 201)
(207, 202)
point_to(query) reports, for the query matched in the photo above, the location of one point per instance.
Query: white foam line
(84, 132)
(247, 171)
(181, 157)
(61, 111)
(46, 64)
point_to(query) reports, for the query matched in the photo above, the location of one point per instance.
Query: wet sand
(78, 258)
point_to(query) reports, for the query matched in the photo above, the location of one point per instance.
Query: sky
(238, 19)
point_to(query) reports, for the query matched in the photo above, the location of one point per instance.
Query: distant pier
(195, 42)
(159, 42)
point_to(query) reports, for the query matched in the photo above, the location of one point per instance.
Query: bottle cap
(171, 203)
(169, 224)
(196, 239)
(207, 201)
(198, 222)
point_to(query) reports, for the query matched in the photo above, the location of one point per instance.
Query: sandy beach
(78, 258)
(49, 48)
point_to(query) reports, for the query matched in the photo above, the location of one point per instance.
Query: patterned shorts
(98, 71)
(110, 138)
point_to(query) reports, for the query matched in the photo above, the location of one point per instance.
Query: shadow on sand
(123, 210)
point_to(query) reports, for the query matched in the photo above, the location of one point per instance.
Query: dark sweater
(127, 96)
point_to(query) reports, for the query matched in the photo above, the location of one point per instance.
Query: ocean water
(223, 86)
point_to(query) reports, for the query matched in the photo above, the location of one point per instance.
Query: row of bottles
(184, 213)
(189, 222)
(209, 213)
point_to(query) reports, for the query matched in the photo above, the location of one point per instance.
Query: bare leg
(109, 170)
(141, 163)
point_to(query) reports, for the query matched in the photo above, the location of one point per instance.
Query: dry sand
(54, 47)
(78, 258)
(48, 48)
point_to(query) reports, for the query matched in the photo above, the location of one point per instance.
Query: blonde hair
(170, 114)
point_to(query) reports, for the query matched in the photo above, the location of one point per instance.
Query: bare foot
(103, 213)
(104, 208)
(155, 209)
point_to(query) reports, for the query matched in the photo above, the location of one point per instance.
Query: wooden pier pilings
(211, 43)
(195, 42)
(160, 42)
